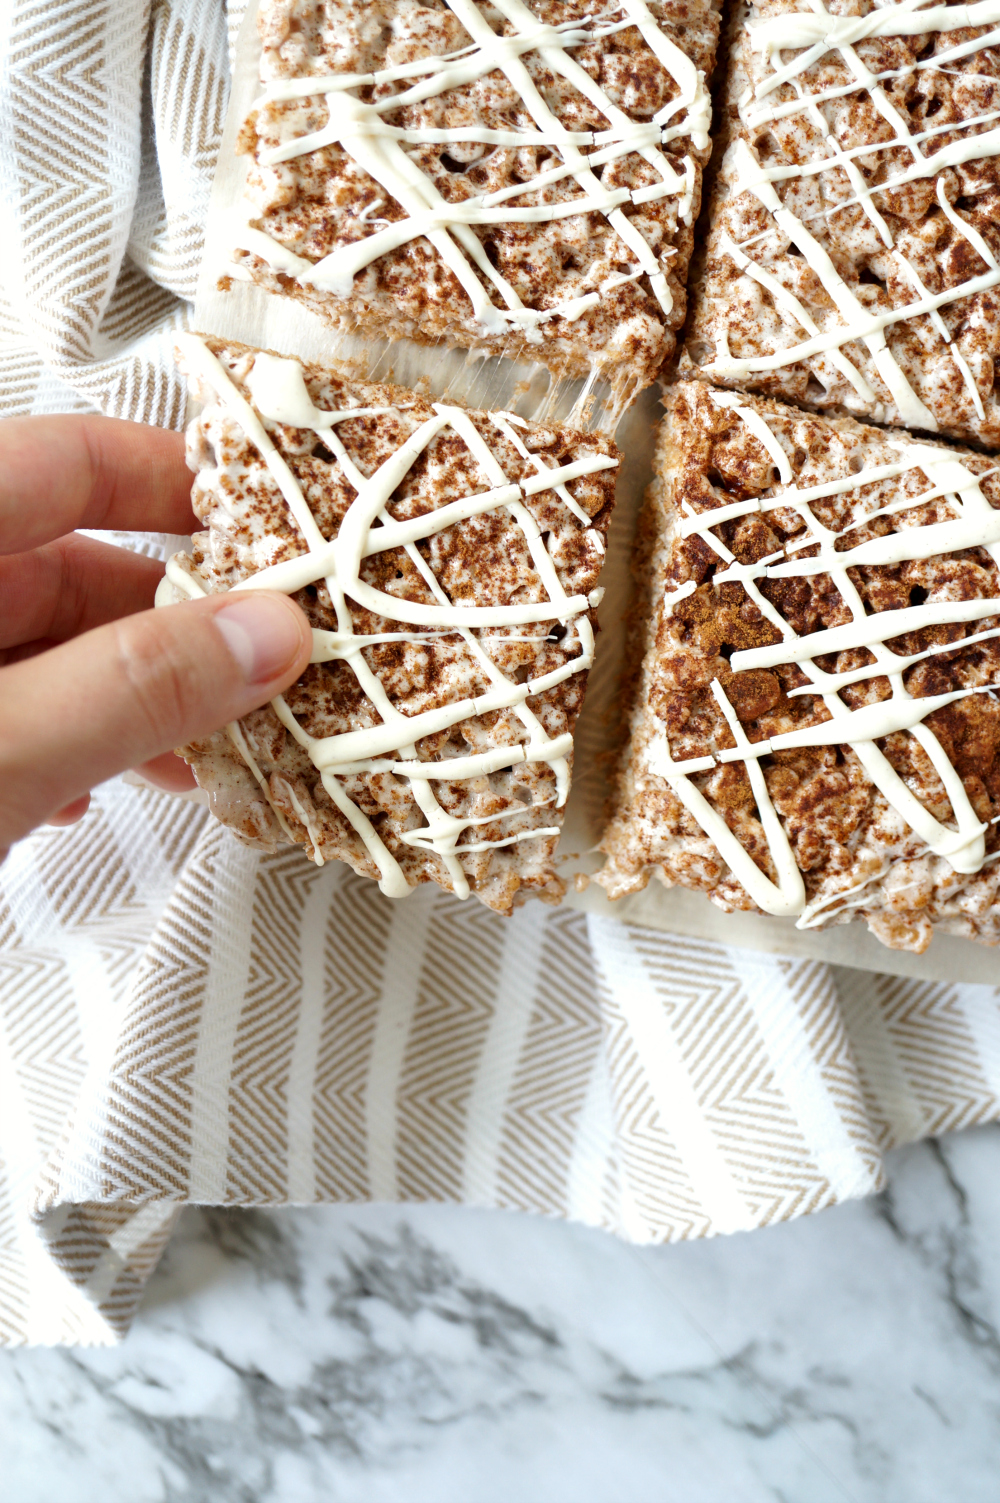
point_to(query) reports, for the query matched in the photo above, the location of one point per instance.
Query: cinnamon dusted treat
(508, 179)
(815, 729)
(853, 258)
(447, 561)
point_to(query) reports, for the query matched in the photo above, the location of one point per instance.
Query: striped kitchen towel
(183, 1019)
(111, 112)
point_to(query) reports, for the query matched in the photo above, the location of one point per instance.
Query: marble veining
(426, 1353)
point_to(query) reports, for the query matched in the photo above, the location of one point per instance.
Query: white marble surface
(433, 1355)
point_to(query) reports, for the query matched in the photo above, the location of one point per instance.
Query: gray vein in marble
(340, 1354)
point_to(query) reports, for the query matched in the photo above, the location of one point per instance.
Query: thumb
(125, 692)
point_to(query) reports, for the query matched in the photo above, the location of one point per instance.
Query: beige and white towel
(185, 1020)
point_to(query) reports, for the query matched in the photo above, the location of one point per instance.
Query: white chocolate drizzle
(975, 524)
(279, 395)
(816, 32)
(378, 148)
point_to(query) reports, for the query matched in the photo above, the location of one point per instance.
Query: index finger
(60, 473)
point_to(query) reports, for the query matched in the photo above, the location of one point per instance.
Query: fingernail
(262, 635)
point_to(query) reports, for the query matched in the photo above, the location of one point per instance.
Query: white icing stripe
(377, 147)
(831, 339)
(279, 395)
(816, 32)
(761, 433)
(874, 670)
(295, 573)
(858, 633)
(788, 299)
(458, 769)
(235, 733)
(352, 746)
(974, 524)
(681, 593)
(864, 724)
(775, 34)
(502, 421)
(855, 315)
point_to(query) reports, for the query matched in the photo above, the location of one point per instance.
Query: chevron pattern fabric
(111, 113)
(185, 1020)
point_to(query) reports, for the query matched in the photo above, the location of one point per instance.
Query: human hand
(92, 680)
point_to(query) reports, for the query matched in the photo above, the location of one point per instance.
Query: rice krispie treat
(853, 257)
(508, 179)
(447, 561)
(815, 729)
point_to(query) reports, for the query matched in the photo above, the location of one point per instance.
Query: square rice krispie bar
(447, 561)
(853, 255)
(511, 179)
(815, 728)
